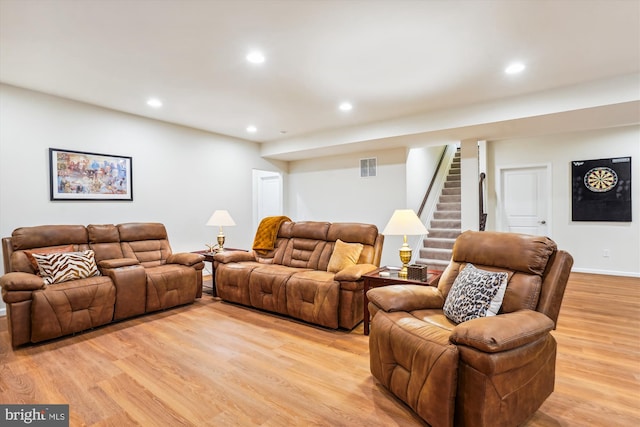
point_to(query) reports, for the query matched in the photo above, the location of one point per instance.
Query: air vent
(368, 167)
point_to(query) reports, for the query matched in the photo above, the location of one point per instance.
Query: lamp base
(220, 247)
(405, 257)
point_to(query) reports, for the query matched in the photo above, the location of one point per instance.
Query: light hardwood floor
(217, 364)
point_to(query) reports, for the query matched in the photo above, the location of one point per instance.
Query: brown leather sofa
(296, 278)
(137, 274)
(491, 370)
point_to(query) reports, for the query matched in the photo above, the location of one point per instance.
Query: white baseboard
(606, 272)
(3, 311)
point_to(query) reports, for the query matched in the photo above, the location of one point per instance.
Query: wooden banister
(483, 215)
(433, 180)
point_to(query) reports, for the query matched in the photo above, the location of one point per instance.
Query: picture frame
(79, 175)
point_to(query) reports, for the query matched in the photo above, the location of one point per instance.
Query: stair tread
(437, 249)
(433, 264)
(429, 260)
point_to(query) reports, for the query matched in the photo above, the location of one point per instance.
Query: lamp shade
(221, 218)
(404, 222)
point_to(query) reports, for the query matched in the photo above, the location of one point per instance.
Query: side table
(208, 257)
(374, 280)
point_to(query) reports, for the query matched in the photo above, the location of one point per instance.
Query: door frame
(257, 175)
(501, 217)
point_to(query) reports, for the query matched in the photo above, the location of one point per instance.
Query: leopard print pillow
(475, 293)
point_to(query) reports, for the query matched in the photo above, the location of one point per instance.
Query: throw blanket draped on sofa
(267, 233)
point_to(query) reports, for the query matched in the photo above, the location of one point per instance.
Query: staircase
(446, 222)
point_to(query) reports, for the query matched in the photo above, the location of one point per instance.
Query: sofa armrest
(502, 332)
(185, 258)
(405, 297)
(354, 272)
(226, 257)
(19, 281)
(117, 263)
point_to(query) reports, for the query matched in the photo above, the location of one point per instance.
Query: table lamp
(405, 222)
(221, 218)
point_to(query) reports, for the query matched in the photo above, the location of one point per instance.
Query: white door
(267, 195)
(525, 200)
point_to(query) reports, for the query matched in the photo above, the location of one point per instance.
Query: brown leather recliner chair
(493, 370)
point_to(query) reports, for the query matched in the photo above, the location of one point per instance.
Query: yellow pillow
(344, 255)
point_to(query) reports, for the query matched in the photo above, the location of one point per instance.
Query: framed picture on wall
(601, 190)
(76, 175)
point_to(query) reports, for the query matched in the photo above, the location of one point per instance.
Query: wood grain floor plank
(218, 364)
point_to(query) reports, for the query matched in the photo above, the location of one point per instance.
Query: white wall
(584, 240)
(421, 165)
(180, 175)
(330, 189)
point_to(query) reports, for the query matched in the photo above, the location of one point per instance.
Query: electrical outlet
(605, 253)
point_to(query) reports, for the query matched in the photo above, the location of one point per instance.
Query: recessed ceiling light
(515, 68)
(154, 102)
(346, 106)
(252, 129)
(255, 57)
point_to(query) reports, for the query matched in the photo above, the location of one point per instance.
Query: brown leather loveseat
(62, 279)
(312, 274)
(431, 347)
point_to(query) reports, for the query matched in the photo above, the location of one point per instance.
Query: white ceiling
(389, 58)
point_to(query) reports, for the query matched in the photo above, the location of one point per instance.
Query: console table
(375, 280)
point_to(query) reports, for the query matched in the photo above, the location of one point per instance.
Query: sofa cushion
(353, 232)
(145, 241)
(43, 251)
(512, 251)
(304, 253)
(344, 255)
(413, 361)
(65, 266)
(475, 293)
(232, 281)
(267, 287)
(169, 285)
(313, 296)
(72, 307)
(104, 240)
(41, 236)
(315, 230)
(133, 231)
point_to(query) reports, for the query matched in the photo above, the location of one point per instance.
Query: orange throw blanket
(267, 232)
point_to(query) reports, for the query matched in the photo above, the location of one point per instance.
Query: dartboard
(600, 179)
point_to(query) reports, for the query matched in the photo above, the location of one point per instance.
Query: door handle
(542, 222)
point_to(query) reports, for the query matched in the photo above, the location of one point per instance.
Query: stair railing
(483, 215)
(433, 180)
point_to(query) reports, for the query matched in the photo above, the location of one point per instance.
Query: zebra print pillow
(475, 293)
(63, 267)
